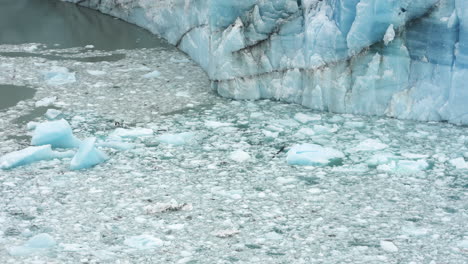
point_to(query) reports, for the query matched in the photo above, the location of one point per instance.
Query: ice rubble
(400, 58)
(176, 139)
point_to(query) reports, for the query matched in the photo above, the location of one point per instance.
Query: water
(53, 22)
(220, 211)
(10, 95)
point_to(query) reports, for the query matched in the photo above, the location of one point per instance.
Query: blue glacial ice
(176, 139)
(57, 75)
(88, 155)
(400, 58)
(37, 244)
(30, 155)
(58, 133)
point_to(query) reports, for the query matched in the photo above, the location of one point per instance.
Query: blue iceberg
(30, 155)
(87, 156)
(56, 133)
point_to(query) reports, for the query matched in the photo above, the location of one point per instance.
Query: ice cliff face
(400, 58)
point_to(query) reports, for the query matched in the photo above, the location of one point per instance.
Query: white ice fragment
(409, 166)
(388, 246)
(119, 145)
(389, 35)
(414, 156)
(47, 101)
(31, 48)
(312, 155)
(131, 133)
(52, 114)
(306, 131)
(463, 244)
(303, 118)
(87, 156)
(176, 227)
(31, 125)
(58, 76)
(380, 158)
(89, 46)
(270, 134)
(30, 155)
(319, 129)
(56, 133)
(459, 163)
(96, 73)
(239, 156)
(216, 124)
(226, 233)
(177, 139)
(370, 145)
(143, 242)
(183, 94)
(153, 74)
(37, 244)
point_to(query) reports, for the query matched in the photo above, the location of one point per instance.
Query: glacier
(400, 58)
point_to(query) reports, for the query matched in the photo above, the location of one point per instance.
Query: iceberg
(131, 133)
(143, 242)
(30, 155)
(59, 76)
(56, 133)
(403, 59)
(312, 155)
(87, 156)
(37, 244)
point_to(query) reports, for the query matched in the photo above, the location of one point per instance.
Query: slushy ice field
(195, 178)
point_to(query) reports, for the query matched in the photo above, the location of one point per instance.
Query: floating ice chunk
(56, 133)
(354, 124)
(319, 129)
(58, 76)
(270, 134)
(177, 139)
(31, 48)
(226, 233)
(388, 246)
(389, 35)
(303, 118)
(30, 155)
(31, 125)
(216, 124)
(183, 94)
(312, 154)
(119, 145)
(413, 230)
(463, 244)
(132, 133)
(459, 163)
(36, 244)
(87, 156)
(171, 206)
(380, 158)
(47, 101)
(306, 131)
(408, 166)
(414, 156)
(370, 145)
(52, 114)
(143, 242)
(96, 73)
(239, 156)
(153, 74)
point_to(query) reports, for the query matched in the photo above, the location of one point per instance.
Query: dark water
(10, 95)
(54, 22)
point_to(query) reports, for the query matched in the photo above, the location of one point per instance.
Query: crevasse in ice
(401, 58)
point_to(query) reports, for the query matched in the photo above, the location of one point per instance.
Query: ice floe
(313, 155)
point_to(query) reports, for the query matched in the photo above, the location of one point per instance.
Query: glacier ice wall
(399, 58)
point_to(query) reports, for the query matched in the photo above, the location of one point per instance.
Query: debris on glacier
(88, 155)
(177, 139)
(312, 155)
(239, 156)
(58, 75)
(143, 242)
(52, 114)
(58, 133)
(171, 206)
(30, 155)
(37, 244)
